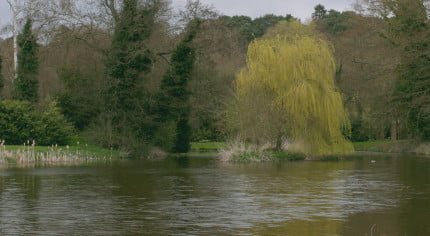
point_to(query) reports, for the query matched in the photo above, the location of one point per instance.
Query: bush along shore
(31, 155)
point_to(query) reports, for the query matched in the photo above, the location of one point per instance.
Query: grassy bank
(79, 153)
(207, 147)
(394, 146)
(248, 153)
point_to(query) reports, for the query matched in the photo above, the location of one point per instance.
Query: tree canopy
(295, 73)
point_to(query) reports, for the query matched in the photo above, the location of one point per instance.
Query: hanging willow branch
(296, 72)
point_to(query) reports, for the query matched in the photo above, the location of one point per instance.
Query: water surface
(202, 196)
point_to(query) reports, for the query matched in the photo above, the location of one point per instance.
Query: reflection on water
(201, 196)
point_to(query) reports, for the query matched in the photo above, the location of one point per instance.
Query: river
(203, 196)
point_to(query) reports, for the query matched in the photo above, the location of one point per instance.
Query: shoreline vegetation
(82, 153)
(29, 154)
(394, 146)
(244, 153)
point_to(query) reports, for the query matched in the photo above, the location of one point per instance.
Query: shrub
(54, 127)
(19, 123)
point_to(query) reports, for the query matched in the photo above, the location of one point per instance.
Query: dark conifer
(26, 85)
(127, 62)
(174, 104)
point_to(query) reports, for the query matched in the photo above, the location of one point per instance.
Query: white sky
(253, 8)
(302, 9)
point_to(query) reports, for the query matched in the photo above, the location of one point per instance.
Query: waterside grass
(29, 154)
(394, 146)
(207, 147)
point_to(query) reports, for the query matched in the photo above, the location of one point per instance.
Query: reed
(31, 155)
(238, 151)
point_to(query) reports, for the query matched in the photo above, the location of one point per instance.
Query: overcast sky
(299, 8)
(254, 8)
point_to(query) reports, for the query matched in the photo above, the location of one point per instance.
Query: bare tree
(14, 7)
(195, 9)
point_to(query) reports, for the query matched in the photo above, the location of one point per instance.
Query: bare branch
(110, 5)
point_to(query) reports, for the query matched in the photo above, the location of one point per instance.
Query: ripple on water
(203, 199)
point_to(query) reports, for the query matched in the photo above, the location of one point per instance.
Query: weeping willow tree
(287, 92)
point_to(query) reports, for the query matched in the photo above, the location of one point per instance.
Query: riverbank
(244, 153)
(79, 153)
(394, 146)
(239, 152)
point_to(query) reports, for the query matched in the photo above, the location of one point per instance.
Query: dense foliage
(410, 30)
(127, 62)
(128, 78)
(79, 102)
(20, 123)
(26, 85)
(174, 98)
(255, 28)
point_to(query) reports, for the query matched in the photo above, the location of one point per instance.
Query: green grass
(291, 156)
(207, 146)
(368, 145)
(384, 146)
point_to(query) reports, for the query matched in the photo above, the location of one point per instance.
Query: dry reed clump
(157, 154)
(55, 156)
(240, 152)
(423, 148)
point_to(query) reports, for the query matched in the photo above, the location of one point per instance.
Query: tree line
(126, 76)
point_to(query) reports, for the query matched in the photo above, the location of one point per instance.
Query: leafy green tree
(174, 100)
(336, 22)
(79, 101)
(54, 129)
(256, 28)
(262, 24)
(20, 123)
(293, 74)
(243, 23)
(26, 85)
(127, 61)
(410, 31)
(407, 31)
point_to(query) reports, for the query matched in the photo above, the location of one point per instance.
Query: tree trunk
(395, 129)
(13, 7)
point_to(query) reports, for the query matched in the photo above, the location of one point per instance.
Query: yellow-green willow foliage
(290, 80)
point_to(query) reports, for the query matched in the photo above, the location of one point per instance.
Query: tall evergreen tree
(26, 86)
(319, 13)
(127, 61)
(174, 101)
